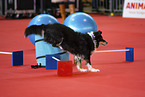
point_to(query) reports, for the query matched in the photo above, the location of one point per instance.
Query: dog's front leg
(90, 68)
(79, 67)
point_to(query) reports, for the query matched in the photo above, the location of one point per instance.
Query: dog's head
(99, 39)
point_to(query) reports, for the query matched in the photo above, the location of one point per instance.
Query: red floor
(117, 78)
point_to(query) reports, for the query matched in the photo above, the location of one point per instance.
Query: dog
(79, 44)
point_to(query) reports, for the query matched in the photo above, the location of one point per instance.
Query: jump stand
(17, 58)
(64, 68)
(130, 54)
(51, 63)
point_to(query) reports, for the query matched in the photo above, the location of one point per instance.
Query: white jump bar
(8, 53)
(103, 51)
(55, 58)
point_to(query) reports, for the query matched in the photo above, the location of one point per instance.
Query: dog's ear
(99, 32)
(34, 29)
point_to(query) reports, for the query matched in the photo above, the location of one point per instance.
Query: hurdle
(17, 57)
(64, 67)
(129, 52)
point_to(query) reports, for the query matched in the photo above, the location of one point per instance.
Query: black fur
(60, 35)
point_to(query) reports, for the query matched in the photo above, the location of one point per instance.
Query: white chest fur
(91, 34)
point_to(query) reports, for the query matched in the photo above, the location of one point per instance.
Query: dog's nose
(105, 43)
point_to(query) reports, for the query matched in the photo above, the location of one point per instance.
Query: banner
(134, 9)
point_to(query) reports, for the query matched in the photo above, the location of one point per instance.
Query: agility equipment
(51, 61)
(129, 52)
(64, 68)
(43, 48)
(17, 57)
(81, 22)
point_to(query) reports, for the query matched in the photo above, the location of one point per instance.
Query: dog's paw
(79, 67)
(83, 70)
(90, 68)
(94, 70)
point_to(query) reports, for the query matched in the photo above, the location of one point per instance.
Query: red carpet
(116, 79)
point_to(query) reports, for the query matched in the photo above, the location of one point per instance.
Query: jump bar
(8, 53)
(55, 58)
(104, 51)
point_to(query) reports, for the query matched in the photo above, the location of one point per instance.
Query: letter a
(128, 5)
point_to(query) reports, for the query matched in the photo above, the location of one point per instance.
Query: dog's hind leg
(90, 68)
(79, 67)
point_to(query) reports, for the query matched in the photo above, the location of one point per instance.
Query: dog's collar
(91, 34)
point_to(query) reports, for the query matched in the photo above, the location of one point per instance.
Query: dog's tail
(34, 29)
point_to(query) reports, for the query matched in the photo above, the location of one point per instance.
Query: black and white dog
(80, 45)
